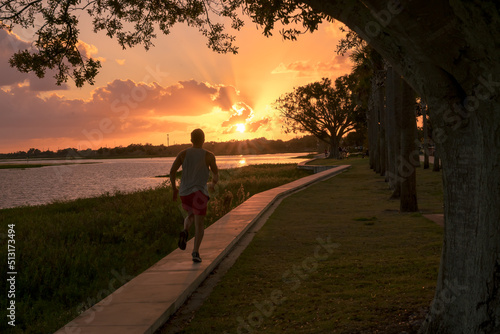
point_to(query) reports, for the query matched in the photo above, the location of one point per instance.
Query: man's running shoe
(183, 239)
(196, 257)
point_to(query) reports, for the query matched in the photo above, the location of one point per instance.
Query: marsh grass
(70, 255)
(377, 276)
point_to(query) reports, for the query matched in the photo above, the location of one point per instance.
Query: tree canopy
(328, 112)
(134, 22)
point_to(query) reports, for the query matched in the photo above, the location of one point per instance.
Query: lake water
(89, 178)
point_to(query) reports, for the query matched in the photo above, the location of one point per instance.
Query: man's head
(197, 137)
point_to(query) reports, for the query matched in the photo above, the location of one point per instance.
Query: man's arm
(173, 172)
(213, 167)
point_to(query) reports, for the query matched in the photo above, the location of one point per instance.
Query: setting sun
(240, 127)
(227, 94)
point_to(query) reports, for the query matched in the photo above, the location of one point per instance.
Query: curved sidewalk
(147, 301)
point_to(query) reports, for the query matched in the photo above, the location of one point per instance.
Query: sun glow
(240, 127)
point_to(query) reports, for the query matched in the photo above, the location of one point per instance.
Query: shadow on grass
(336, 257)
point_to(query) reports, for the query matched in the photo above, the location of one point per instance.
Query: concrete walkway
(147, 301)
(438, 218)
(314, 168)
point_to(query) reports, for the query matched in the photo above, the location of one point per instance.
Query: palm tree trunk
(409, 158)
(426, 136)
(383, 137)
(374, 119)
(436, 167)
(392, 127)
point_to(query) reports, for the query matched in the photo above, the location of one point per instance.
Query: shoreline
(70, 181)
(231, 170)
(76, 247)
(7, 161)
(82, 158)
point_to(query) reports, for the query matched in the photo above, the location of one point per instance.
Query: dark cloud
(122, 108)
(254, 126)
(227, 96)
(9, 44)
(186, 98)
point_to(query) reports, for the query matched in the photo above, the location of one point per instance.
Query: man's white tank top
(195, 172)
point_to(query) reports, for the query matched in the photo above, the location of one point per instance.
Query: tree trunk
(374, 119)
(389, 122)
(448, 50)
(334, 148)
(467, 298)
(426, 136)
(371, 135)
(409, 157)
(383, 137)
(393, 100)
(435, 167)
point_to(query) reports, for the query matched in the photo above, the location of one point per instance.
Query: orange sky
(179, 85)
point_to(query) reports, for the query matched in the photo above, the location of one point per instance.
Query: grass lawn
(70, 255)
(336, 257)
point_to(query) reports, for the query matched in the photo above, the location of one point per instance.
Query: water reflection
(43, 185)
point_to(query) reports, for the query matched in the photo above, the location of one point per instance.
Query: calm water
(43, 185)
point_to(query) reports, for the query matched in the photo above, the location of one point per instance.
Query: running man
(196, 163)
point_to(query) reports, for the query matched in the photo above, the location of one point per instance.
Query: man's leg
(199, 232)
(183, 236)
(188, 221)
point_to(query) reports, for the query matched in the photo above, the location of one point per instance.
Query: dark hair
(197, 137)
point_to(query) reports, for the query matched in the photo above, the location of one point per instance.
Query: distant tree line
(233, 147)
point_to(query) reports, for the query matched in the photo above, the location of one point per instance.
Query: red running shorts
(195, 203)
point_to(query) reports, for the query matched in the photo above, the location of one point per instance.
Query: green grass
(307, 156)
(378, 273)
(70, 255)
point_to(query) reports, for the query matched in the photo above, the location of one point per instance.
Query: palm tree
(367, 64)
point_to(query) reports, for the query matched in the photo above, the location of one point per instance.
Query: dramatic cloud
(244, 115)
(335, 67)
(186, 98)
(227, 96)
(11, 43)
(121, 109)
(254, 126)
(89, 51)
(241, 114)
